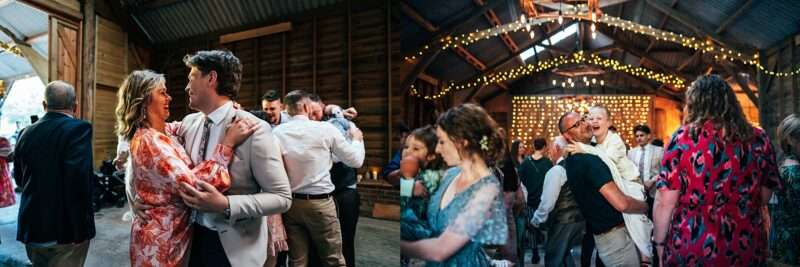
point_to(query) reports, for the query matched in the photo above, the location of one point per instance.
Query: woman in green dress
(784, 242)
(466, 211)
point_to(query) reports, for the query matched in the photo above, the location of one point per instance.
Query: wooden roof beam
(742, 83)
(660, 26)
(445, 29)
(691, 23)
(493, 20)
(416, 17)
(733, 17)
(640, 54)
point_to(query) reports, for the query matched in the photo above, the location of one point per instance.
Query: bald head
(59, 95)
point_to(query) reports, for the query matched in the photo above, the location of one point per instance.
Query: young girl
(421, 145)
(611, 149)
(611, 142)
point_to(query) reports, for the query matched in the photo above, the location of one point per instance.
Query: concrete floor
(377, 241)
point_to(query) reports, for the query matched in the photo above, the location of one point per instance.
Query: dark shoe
(535, 258)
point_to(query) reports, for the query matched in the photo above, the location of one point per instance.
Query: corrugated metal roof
(189, 18)
(24, 22)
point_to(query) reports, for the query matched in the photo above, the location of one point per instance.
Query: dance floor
(377, 241)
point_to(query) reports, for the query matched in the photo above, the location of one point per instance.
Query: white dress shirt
(215, 132)
(554, 179)
(308, 149)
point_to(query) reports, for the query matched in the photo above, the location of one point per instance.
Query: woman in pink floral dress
(160, 164)
(7, 196)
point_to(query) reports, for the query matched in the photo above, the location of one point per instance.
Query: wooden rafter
(506, 60)
(445, 29)
(733, 17)
(691, 23)
(660, 26)
(640, 54)
(492, 18)
(697, 54)
(742, 83)
(416, 17)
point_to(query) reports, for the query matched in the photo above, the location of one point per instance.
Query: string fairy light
(11, 48)
(575, 58)
(525, 23)
(537, 115)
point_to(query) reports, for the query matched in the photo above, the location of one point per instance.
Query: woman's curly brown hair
(470, 122)
(710, 98)
(133, 97)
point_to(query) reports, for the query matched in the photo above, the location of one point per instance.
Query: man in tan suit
(229, 229)
(647, 158)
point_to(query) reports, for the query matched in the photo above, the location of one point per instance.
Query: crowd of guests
(715, 195)
(277, 186)
(221, 187)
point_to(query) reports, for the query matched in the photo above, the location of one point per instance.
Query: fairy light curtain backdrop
(537, 115)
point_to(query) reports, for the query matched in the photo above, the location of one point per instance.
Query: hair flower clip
(485, 143)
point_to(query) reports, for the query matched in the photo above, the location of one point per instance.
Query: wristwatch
(227, 210)
(227, 213)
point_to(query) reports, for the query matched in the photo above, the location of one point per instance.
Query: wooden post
(88, 60)
(314, 26)
(259, 93)
(283, 64)
(349, 53)
(389, 79)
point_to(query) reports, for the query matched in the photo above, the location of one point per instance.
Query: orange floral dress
(159, 163)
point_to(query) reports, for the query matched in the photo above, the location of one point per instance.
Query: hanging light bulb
(560, 18)
(532, 34)
(594, 16)
(593, 27)
(523, 19)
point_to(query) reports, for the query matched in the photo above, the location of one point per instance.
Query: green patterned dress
(785, 239)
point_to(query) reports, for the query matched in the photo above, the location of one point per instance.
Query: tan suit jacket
(259, 187)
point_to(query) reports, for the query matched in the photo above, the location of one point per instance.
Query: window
(555, 39)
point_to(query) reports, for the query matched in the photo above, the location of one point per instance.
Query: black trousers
(207, 249)
(347, 206)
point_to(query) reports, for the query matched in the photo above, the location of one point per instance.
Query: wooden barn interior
(528, 61)
(406, 61)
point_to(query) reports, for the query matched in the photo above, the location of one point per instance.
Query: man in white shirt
(647, 158)
(308, 148)
(566, 226)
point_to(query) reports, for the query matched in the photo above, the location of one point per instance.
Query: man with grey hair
(559, 211)
(54, 168)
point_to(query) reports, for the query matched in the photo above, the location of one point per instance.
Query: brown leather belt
(307, 197)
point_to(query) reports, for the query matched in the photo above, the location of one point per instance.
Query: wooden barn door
(65, 55)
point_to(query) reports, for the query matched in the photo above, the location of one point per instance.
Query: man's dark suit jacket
(54, 168)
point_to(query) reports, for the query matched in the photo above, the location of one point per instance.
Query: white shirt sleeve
(350, 153)
(554, 179)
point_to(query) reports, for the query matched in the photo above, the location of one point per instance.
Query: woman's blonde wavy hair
(133, 97)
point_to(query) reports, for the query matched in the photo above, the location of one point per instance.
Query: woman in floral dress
(160, 164)
(7, 196)
(717, 175)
